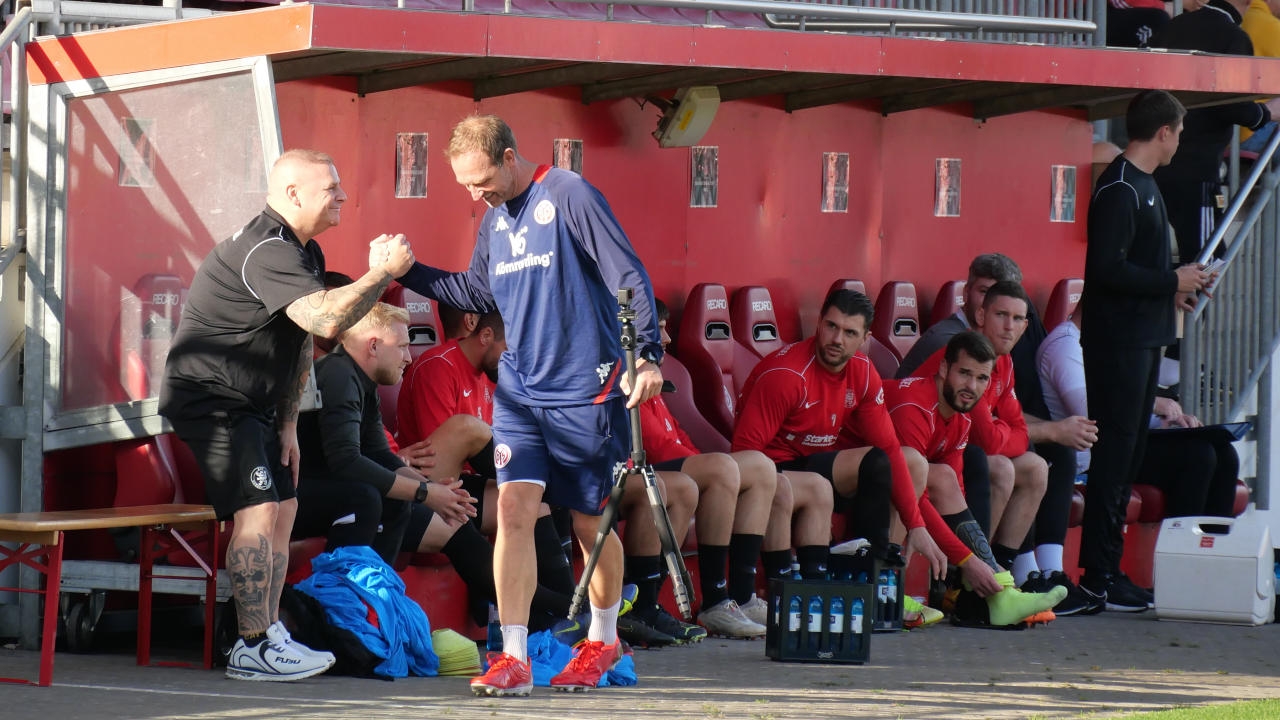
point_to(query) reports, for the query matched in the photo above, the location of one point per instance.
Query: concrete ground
(1098, 666)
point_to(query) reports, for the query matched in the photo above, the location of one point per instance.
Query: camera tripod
(636, 464)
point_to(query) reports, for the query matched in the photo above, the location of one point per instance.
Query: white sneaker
(756, 610)
(269, 661)
(725, 619)
(279, 634)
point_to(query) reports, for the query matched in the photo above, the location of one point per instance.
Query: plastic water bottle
(855, 615)
(795, 570)
(835, 623)
(892, 596)
(493, 639)
(777, 611)
(793, 623)
(816, 616)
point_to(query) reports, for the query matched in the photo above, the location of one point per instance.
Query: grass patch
(1245, 710)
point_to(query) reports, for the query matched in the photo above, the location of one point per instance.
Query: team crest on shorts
(501, 455)
(260, 478)
(544, 213)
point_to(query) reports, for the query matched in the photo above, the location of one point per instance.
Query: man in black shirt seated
(353, 489)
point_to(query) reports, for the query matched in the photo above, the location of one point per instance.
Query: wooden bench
(39, 538)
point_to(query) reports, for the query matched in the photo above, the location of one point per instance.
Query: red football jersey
(791, 407)
(998, 425)
(663, 438)
(913, 406)
(441, 383)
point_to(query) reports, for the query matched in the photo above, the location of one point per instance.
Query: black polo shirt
(236, 349)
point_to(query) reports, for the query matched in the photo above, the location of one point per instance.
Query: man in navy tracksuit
(550, 257)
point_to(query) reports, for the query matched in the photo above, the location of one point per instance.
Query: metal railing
(1231, 336)
(1045, 21)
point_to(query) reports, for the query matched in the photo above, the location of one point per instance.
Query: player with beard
(931, 415)
(803, 405)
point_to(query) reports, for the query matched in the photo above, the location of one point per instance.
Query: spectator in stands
(1131, 23)
(1191, 183)
(999, 427)
(817, 406)
(1263, 28)
(1127, 316)
(234, 379)
(735, 493)
(447, 397)
(930, 416)
(560, 413)
(1198, 471)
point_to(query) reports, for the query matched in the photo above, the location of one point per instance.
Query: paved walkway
(1097, 666)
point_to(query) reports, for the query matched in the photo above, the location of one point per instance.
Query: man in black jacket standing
(1191, 183)
(1130, 294)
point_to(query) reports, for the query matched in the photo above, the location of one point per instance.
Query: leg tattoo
(250, 584)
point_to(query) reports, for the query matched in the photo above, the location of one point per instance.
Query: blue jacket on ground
(349, 583)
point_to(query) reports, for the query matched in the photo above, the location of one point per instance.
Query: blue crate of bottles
(819, 621)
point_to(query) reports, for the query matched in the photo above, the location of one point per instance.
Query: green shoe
(916, 614)
(1011, 606)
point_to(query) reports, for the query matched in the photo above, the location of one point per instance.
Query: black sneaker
(684, 633)
(1036, 582)
(637, 632)
(1077, 601)
(1116, 592)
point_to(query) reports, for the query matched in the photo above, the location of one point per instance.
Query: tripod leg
(681, 582)
(606, 526)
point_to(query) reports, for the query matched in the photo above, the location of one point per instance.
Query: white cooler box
(1222, 577)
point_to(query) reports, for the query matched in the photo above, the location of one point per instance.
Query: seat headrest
(1062, 301)
(897, 321)
(848, 284)
(424, 324)
(949, 301)
(755, 326)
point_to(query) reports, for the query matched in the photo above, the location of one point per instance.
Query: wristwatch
(420, 495)
(649, 356)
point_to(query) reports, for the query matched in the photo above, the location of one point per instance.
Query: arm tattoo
(291, 401)
(329, 312)
(247, 564)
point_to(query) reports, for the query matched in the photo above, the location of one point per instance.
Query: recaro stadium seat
(755, 331)
(148, 321)
(882, 358)
(897, 321)
(424, 334)
(755, 326)
(706, 347)
(1062, 302)
(848, 284)
(424, 324)
(681, 404)
(950, 300)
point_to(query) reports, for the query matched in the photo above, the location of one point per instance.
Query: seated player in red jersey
(796, 405)
(931, 415)
(735, 493)
(447, 397)
(999, 427)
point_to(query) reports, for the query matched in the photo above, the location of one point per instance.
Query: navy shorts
(570, 451)
(239, 456)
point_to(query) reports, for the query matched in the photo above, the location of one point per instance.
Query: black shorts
(823, 463)
(474, 485)
(239, 456)
(672, 465)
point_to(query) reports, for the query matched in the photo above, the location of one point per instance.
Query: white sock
(1049, 557)
(1023, 565)
(604, 624)
(515, 641)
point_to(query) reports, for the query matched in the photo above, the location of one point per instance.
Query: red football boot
(506, 676)
(591, 660)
